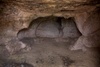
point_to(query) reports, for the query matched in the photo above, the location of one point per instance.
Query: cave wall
(51, 27)
(18, 14)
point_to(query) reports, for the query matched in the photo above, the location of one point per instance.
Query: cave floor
(48, 52)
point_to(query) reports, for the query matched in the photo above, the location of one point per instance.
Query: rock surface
(70, 29)
(52, 27)
(21, 30)
(16, 15)
(14, 46)
(48, 28)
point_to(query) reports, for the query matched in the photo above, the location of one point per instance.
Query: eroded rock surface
(48, 28)
(73, 23)
(70, 29)
(17, 15)
(52, 27)
(90, 29)
(17, 65)
(13, 46)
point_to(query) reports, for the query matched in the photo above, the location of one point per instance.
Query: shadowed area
(52, 27)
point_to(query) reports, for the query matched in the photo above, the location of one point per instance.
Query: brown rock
(18, 14)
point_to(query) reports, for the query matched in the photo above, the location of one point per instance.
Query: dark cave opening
(51, 27)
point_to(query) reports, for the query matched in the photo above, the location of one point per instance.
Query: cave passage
(47, 42)
(51, 27)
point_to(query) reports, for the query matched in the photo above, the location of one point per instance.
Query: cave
(50, 27)
(50, 33)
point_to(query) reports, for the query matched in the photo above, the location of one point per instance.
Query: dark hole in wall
(52, 27)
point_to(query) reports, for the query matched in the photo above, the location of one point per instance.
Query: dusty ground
(47, 52)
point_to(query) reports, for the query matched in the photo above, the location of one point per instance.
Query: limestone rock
(17, 15)
(85, 42)
(14, 46)
(90, 29)
(48, 28)
(13, 64)
(70, 29)
(88, 23)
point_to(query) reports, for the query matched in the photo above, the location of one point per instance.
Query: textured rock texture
(90, 29)
(52, 27)
(16, 15)
(70, 29)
